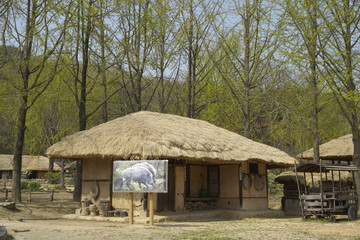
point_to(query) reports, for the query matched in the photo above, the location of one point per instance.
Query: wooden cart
(332, 195)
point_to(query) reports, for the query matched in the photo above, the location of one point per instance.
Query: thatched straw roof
(149, 135)
(341, 148)
(291, 177)
(29, 163)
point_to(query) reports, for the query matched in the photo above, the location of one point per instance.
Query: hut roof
(341, 148)
(149, 135)
(29, 163)
(287, 177)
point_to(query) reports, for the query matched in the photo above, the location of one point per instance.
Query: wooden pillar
(151, 198)
(131, 217)
(52, 195)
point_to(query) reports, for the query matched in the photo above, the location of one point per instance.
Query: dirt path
(42, 221)
(239, 229)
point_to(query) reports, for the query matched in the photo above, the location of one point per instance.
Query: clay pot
(85, 211)
(93, 210)
(104, 207)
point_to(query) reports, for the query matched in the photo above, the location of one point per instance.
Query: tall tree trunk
(103, 64)
(51, 165)
(139, 91)
(162, 87)
(313, 79)
(314, 113)
(82, 103)
(350, 84)
(247, 80)
(356, 157)
(62, 179)
(191, 82)
(19, 146)
(21, 122)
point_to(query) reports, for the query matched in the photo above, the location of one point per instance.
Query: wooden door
(166, 201)
(213, 184)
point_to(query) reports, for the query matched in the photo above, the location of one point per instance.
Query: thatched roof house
(198, 153)
(341, 148)
(37, 166)
(148, 135)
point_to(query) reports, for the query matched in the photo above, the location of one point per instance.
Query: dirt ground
(43, 220)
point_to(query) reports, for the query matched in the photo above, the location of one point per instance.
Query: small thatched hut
(336, 151)
(339, 149)
(231, 168)
(290, 203)
(35, 166)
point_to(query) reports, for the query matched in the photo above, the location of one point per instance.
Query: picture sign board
(140, 176)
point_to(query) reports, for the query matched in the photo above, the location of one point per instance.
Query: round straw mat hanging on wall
(247, 180)
(259, 182)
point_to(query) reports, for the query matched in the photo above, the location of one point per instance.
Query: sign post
(131, 208)
(151, 208)
(144, 176)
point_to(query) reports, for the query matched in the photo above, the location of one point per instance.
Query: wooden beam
(131, 217)
(151, 198)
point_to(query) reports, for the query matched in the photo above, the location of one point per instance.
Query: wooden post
(131, 217)
(333, 187)
(52, 195)
(29, 196)
(305, 186)
(312, 179)
(340, 182)
(298, 186)
(6, 194)
(321, 190)
(151, 198)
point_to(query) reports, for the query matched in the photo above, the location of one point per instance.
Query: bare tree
(40, 39)
(135, 37)
(197, 19)
(304, 17)
(247, 62)
(87, 67)
(341, 63)
(166, 56)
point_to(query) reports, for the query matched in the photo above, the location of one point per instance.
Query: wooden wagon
(329, 196)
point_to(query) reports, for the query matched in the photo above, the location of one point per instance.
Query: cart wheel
(352, 213)
(332, 218)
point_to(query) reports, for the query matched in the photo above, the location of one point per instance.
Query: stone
(8, 205)
(3, 233)
(78, 211)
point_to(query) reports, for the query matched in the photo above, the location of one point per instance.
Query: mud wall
(254, 187)
(96, 180)
(229, 188)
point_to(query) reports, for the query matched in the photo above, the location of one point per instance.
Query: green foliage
(34, 186)
(30, 186)
(24, 185)
(53, 177)
(10, 237)
(155, 47)
(271, 182)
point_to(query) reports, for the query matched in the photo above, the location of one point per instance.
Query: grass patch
(208, 233)
(9, 237)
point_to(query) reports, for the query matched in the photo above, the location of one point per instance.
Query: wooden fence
(35, 196)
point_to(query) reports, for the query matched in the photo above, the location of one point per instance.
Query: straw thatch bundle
(313, 181)
(29, 163)
(148, 135)
(341, 148)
